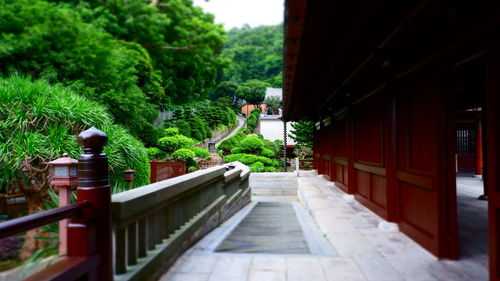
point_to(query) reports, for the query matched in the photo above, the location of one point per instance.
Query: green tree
(253, 91)
(52, 41)
(129, 55)
(273, 103)
(255, 53)
(302, 133)
(38, 123)
(226, 90)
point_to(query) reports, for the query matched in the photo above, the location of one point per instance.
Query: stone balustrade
(154, 224)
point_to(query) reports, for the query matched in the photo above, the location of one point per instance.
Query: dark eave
(339, 51)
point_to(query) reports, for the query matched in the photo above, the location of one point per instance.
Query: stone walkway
(344, 240)
(241, 123)
(472, 222)
(270, 228)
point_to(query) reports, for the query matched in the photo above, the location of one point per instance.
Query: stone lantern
(128, 176)
(64, 171)
(211, 146)
(64, 175)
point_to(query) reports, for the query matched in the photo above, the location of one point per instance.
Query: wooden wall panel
(379, 190)
(346, 176)
(369, 152)
(341, 173)
(412, 211)
(340, 136)
(418, 134)
(369, 132)
(422, 145)
(363, 184)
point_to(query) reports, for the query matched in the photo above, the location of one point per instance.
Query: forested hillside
(133, 56)
(255, 58)
(255, 53)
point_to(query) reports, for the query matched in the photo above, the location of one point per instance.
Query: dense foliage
(126, 54)
(273, 103)
(199, 120)
(253, 119)
(253, 91)
(302, 133)
(226, 90)
(40, 122)
(252, 150)
(231, 142)
(177, 147)
(255, 53)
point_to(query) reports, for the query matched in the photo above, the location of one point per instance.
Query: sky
(236, 13)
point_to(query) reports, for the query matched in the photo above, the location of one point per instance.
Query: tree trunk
(31, 244)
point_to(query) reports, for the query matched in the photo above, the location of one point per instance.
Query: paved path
(271, 228)
(472, 221)
(241, 123)
(344, 242)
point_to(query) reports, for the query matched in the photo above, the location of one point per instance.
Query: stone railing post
(93, 186)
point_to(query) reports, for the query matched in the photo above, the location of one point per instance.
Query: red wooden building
(404, 94)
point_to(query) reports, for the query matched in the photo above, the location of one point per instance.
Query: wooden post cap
(92, 138)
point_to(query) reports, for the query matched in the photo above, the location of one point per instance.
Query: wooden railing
(155, 223)
(89, 231)
(22, 224)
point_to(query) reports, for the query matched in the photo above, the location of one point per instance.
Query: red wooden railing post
(86, 238)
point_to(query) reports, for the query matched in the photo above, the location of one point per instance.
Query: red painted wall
(340, 149)
(369, 147)
(360, 141)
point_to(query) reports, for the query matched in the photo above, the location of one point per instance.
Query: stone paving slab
(344, 241)
(380, 255)
(271, 227)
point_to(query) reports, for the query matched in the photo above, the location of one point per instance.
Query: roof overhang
(337, 52)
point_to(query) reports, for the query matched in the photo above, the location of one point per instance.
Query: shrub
(237, 150)
(192, 169)
(257, 167)
(270, 169)
(231, 142)
(199, 128)
(253, 119)
(246, 159)
(155, 153)
(251, 144)
(266, 161)
(227, 145)
(126, 152)
(221, 128)
(200, 152)
(183, 154)
(183, 127)
(173, 143)
(240, 135)
(267, 153)
(169, 132)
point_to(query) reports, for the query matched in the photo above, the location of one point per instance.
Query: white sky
(236, 13)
